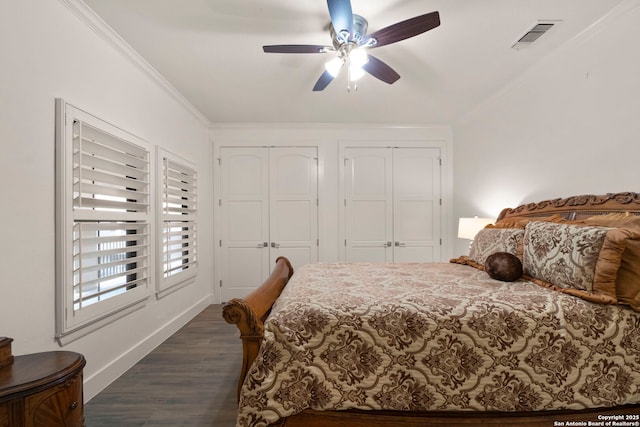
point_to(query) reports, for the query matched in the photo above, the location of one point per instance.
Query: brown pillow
(503, 266)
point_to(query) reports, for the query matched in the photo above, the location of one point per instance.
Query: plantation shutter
(109, 173)
(179, 227)
(103, 220)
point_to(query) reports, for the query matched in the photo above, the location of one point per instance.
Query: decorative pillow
(503, 266)
(490, 240)
(628, 278)
(576, 259)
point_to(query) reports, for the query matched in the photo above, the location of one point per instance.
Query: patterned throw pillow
(491, 240)
(628, 280)
(579, 260)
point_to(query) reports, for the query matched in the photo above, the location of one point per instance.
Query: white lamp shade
(469, 227)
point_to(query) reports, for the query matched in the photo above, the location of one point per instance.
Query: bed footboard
(248, 314)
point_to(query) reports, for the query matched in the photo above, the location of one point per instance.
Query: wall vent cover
(533, 34)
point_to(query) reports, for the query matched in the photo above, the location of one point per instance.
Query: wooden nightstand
(40, 389)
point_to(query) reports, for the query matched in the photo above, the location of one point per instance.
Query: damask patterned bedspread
(436, 336)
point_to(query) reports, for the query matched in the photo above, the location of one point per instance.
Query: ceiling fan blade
(341, 16)
(295, 48)
(405, 29)
(380, 70)
(323, 81)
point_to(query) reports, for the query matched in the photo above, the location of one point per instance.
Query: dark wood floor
(189, 380)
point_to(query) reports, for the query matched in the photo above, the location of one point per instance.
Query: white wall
(569, 126)
(47, 51)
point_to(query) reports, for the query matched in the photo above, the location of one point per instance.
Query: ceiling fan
(351, 43)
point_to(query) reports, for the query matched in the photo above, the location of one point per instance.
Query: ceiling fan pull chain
(350, 80)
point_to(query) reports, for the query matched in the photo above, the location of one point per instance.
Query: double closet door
(268, 208)
(392, 204)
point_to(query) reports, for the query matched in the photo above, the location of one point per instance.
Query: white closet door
(244, 219)
(268, 208)
(369, 204)
(392, 204)
(293, 183)
(416, 204)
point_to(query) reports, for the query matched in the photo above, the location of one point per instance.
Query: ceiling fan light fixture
(334, 66)
(355, 72)
(358, 57)
(350, 41)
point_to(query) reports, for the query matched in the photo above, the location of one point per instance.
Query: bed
(435, 344)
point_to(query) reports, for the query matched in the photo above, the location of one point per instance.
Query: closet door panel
(369, 203)
(293, 204)
(416, 200)
(244, 218)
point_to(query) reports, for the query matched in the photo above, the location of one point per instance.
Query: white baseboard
(105, 376)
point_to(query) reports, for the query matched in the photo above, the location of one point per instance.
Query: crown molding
(102, 29)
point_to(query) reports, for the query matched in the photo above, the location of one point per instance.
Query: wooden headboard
(577, 207)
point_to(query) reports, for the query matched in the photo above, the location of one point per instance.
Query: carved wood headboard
(578, 207)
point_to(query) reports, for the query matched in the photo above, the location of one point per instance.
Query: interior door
(268, 208)
(392, 204)
(369, 204)
(293, 204)
(244, 219)
(416, 204)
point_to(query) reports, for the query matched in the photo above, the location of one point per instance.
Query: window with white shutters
(178, 208)
(103, 225)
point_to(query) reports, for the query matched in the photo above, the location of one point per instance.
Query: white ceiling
(211, 51)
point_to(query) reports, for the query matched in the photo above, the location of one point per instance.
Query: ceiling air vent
(533, 34)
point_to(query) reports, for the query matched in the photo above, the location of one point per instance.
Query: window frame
(74, 321)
